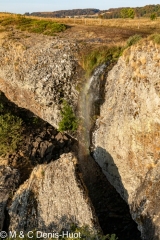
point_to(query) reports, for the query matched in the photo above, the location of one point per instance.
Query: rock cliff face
(52, 198)
(127, 135)
(36, 73)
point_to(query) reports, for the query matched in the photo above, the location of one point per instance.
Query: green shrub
(155, 38)
(153, 16)
(88, 234)
(99, 56)
(127, 13)
(10, 133)
(34, 25)
(7, 21)
(69, 121)
(112, 237)
(133, 40)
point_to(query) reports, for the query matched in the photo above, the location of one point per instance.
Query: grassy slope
(32, 25)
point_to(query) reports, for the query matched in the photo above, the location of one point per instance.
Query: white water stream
(89, 96)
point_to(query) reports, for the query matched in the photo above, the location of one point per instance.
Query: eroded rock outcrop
(37, 72)
(9, 180)
(52, 198)
(127, 135)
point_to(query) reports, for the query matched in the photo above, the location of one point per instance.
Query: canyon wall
(127, 135)
(38, 72)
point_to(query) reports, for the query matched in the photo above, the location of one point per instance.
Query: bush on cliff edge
(69, 121)
(100, 55)
(155, 38)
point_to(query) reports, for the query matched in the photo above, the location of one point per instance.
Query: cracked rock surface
(38, 72)
(127, 135)
(52, 198)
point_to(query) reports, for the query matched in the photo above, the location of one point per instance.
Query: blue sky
(22, 6)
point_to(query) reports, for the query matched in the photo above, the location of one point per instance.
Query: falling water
(89, 96)
(99, 189)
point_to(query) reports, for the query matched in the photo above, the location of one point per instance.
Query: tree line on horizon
(66, 13)
(145, 11)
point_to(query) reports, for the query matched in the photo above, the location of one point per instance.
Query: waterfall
(89, 96)
(98, 187)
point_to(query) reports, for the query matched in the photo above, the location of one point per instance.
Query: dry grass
(107, 31)
(2, 15)
(141, 24)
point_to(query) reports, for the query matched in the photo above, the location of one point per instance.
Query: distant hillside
(145, 11)
(66, 13)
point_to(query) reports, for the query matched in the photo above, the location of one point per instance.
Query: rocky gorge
(64, 183)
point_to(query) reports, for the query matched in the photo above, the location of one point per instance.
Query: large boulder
(54, 197)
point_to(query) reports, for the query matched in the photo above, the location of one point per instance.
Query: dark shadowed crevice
(41, 142)
(6, 221)
(112, 211)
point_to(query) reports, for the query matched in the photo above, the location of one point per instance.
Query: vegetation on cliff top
(155, 38)
(133, 40)
(107, 54)
(100, 55)
(33, 25)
